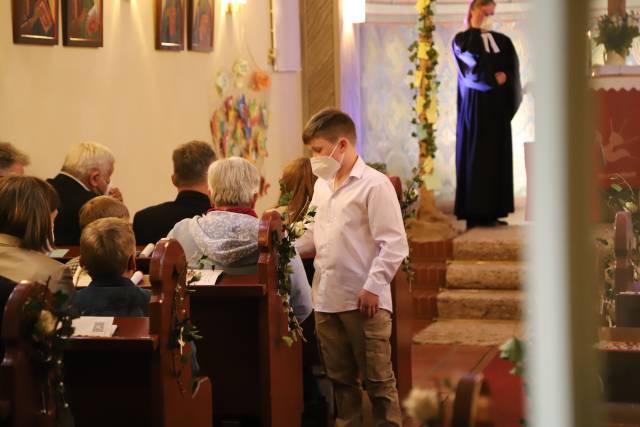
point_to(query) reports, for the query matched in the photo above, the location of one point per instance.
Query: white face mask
(487, 23)
(326, 167)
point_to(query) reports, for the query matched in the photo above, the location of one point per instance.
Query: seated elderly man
(227, 236)
(86, 173)
(12, 160)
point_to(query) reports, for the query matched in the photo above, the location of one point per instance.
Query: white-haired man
(86, 173)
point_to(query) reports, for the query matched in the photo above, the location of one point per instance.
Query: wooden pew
(21, 402)
(402, 325)
(626, 295)
(257, 377)
(134, 378)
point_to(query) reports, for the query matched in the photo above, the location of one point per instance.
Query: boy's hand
(368, 303)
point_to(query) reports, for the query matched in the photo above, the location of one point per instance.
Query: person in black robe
(489, 95)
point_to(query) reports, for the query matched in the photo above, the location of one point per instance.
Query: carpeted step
(497, 275)
(469, 332)
(494, 243)
(480, 304)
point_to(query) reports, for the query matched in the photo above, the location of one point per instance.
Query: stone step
(497, 275)
(494, 243)
(480, 304)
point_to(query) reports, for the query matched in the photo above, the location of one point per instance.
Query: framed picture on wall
(200, 25)
(35, 21)
(82, 23)
(170, 24)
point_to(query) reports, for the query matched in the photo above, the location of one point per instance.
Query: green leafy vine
(286, 252)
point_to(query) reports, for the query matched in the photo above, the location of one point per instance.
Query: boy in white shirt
(360, 242)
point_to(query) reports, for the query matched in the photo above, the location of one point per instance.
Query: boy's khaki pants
(352, 345)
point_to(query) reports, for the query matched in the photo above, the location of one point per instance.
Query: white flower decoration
(423, 405)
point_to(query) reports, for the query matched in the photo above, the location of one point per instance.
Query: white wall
(138, 101)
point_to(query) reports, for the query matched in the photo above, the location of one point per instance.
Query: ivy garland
(286, 252)
(48, 326)
(410, 197)
(424, 56)
(182, 332)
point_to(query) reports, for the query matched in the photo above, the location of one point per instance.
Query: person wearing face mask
(489, 94)
(86, 173)
(359, 240)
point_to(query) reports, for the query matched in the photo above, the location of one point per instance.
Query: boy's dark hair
(191, 162)
(329, 124)
(106, 245)
(26, 204)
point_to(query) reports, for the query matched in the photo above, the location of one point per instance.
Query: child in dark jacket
(107, 253)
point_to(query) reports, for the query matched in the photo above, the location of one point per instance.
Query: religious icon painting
(82, 23)
(170, 24)
(35, 21)
(200, 25)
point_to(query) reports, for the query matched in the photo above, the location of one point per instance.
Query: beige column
(562, 371)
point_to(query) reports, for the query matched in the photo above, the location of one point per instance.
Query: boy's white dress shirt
(359, 238)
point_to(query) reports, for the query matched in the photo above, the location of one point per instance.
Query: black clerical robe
(484, 165)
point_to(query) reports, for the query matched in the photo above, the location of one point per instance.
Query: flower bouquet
(616, 34)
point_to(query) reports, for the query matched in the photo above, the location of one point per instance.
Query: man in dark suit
(190, 165)
(86, 173)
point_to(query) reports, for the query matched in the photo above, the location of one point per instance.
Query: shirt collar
(9, 240)
(110, 281)
(75, 179)
(191, 195)
(358, 168)
(356, 171)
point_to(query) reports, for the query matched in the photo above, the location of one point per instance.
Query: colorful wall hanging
(239, 128)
